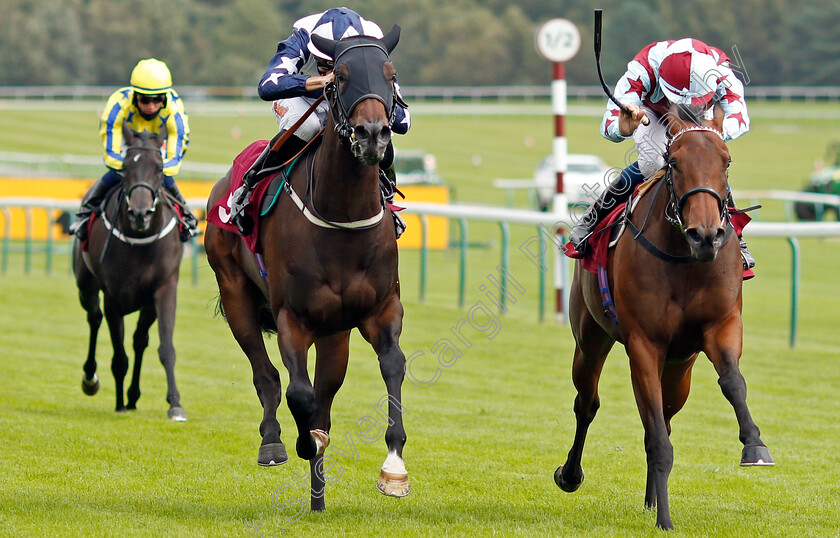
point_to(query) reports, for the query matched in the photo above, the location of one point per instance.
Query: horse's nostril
(693, 236)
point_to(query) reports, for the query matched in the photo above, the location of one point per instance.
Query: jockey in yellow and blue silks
(148, 104)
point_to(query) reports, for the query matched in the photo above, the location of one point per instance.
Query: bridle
(677, 203)
(142, 184)
(341, 110)
(156, 198)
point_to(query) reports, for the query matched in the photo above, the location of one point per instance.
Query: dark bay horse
(133, 256)
(330, 262)
(676, 286)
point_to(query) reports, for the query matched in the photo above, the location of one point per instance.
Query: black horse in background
(133, 255)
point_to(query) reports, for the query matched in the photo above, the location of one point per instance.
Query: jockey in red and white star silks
(686, 71)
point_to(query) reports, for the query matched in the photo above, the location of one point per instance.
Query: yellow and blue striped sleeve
(175, 121)
(110, 127)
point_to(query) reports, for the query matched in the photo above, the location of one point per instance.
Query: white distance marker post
(558, 40)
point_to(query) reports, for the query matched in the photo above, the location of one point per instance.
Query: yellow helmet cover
(151, 76)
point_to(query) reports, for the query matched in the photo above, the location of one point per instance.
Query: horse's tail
(266, 319)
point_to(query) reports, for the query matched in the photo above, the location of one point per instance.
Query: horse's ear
(392, 38)
(161, 136)
(717, 121)
(128, 133)
(675, 123)
(325, 45)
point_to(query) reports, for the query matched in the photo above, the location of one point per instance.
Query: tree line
(452, 43)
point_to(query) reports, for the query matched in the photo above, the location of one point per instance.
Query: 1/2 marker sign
(557, 40)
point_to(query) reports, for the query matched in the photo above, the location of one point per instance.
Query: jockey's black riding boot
(91, 201)
(746, 256)
(388, 185)
(190, 222)
(267, 163)
(618, 192)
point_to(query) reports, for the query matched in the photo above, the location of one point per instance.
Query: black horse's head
(363, 96)
(143, 169)
(697, 176)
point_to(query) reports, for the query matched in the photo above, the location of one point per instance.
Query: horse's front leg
(646, 366)
(330, 369)
(141, 341)
(166, 298)
(723, 347)
(119, 362)
(295, 340)
(383, 333)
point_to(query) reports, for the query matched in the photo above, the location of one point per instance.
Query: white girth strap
(341, 225)
(139, 240)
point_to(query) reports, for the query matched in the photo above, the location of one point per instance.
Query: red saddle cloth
(220, 212)
(599, 243)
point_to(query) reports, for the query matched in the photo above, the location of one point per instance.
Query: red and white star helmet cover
(689, 73)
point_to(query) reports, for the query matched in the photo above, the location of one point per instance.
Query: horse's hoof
(322, 440)
(393, 484)
(272, 454)
(90, 386)
(566, 486)
(756, 456)
(177, 414)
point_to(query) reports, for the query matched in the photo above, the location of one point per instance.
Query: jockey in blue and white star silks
(297, 59)
(295, 78)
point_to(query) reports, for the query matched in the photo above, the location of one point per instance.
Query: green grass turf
(484, 439)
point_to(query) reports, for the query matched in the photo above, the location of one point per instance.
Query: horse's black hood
(363, 57)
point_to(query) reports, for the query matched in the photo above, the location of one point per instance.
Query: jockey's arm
(110, 128)
(175, 121)
(736, 121)
(402, 118)
(282, 78)
(630, 89)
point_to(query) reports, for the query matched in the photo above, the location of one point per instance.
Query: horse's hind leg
(141, 342)
(723, 347)
(241, 301)
(383, 333)
(165, 302)
(591, 349)
(330, 370)
(89, 299)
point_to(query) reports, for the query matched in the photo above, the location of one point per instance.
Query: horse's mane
(691, 114)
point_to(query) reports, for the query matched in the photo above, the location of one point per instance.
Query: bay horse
(133, 255)
(676, 285)
(330, 264)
